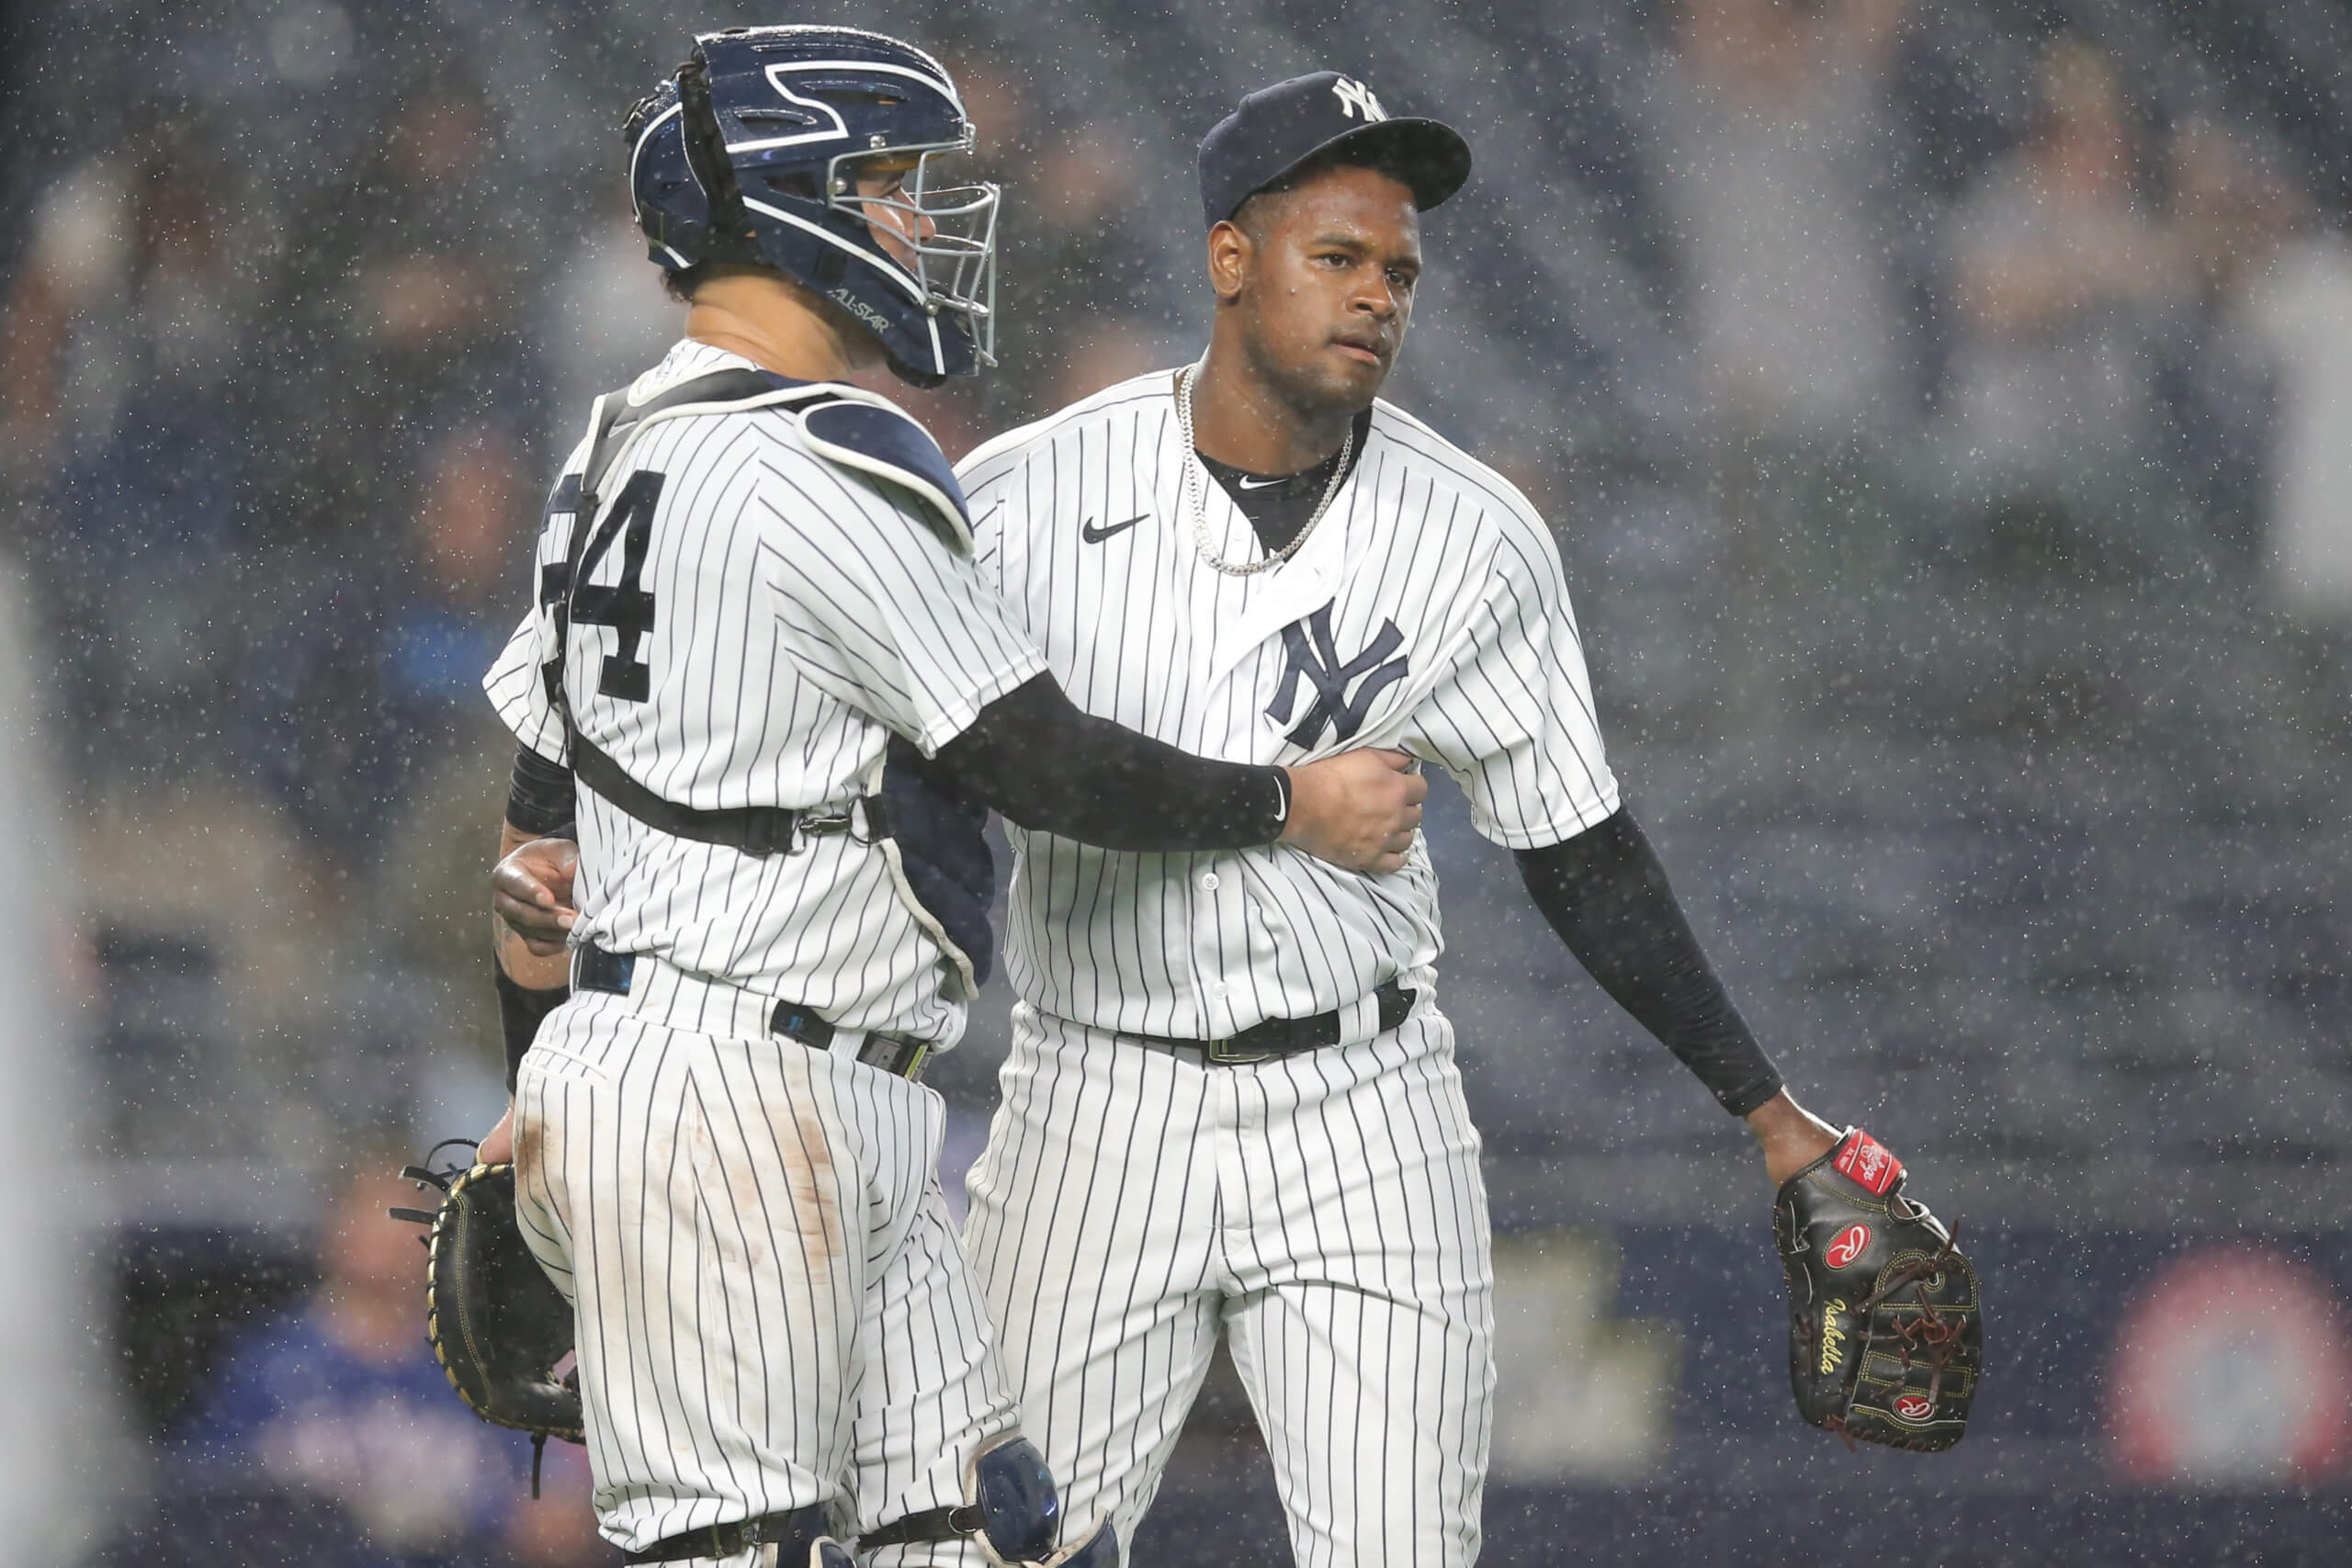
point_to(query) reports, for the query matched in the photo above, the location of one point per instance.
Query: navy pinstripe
(1324, 1211)
(773, 1308)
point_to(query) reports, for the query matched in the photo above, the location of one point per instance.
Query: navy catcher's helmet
(749, 152)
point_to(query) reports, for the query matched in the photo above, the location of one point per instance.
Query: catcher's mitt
(500, 1328)
(1885, 1332)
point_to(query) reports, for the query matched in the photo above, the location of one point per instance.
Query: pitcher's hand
(1791, 1137)
(1359, 810)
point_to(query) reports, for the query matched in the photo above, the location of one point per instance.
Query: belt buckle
(1224, 1054)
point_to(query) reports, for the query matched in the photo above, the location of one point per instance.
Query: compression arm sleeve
(1607, 896)
(539, 798)
(521, 1011)
(1052, 769)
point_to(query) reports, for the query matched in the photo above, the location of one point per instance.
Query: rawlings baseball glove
(1885, 1332)
(500, 1328)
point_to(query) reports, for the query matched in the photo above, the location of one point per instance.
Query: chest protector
(912, 814)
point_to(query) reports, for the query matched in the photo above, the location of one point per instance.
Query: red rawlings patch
(1914, 1408)
(1865, 1159)
(1848, 1247)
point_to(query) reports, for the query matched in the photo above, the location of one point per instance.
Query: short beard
(1314, 404)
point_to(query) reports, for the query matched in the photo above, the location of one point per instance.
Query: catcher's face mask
(756, 151)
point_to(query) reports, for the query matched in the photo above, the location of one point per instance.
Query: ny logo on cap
(1354, 96)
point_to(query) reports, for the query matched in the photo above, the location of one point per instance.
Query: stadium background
(1940, 407)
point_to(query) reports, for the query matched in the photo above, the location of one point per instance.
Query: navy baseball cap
(1281, 127)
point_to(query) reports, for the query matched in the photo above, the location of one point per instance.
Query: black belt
(794, 1533)
(1288, 1036)
(593, 969)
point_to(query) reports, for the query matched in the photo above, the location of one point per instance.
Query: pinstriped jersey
(1426, 612)
(767, 619)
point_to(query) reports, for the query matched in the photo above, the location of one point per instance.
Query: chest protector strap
(758, 830)
(931, 836)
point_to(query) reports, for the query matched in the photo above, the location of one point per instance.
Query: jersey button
(1218, 988)
(1208, 882)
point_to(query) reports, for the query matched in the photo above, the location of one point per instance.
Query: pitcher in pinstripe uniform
(1231, 1104)
(763, 674)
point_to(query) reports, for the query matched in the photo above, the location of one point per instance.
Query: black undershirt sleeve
(538, 798)
(521, 1011)
(1035, 757)
(1607, 896)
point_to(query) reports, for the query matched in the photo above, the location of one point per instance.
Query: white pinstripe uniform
(1324, 1209)
(772, 1310)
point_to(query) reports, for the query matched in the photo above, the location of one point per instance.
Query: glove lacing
(1936, 1336)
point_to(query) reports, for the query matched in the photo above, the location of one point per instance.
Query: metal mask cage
(950, 232)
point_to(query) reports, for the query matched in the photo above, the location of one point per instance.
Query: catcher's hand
(1885, 1332)
(530, 891)
(500, 1328)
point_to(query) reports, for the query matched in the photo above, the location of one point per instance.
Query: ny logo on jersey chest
(1311, 657)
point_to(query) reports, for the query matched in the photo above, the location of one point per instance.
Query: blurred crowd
(292, 341)
(324, 1432)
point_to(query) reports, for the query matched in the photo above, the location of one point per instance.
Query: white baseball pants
(1325, 1210)
(771, 1304)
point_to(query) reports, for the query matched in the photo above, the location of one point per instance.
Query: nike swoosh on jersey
(1095, 535)
(1261, 484)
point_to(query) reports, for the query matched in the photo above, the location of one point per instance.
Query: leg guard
(1015, 1514)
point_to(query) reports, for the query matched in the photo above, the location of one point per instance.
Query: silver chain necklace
(1196, 478)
